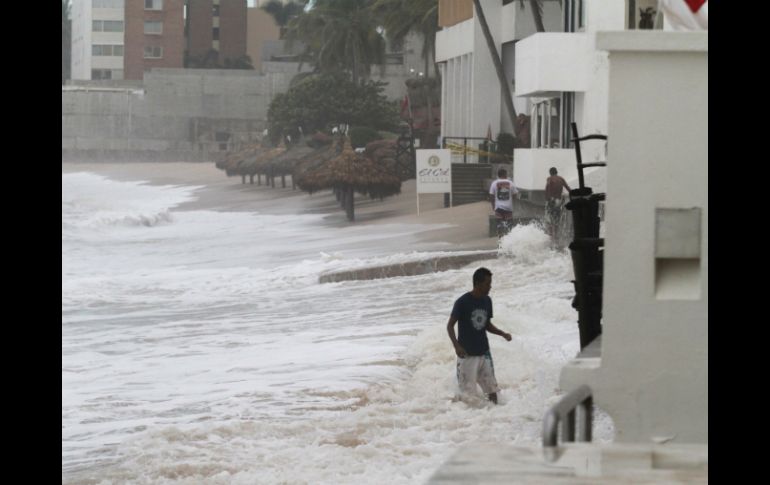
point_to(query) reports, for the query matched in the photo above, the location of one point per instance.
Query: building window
(108, 26)
(546, 129)
(215, 10)
(215, 33)
(107, 3)
(567, 115)
(99, 74)
(153, 27)
(153, 52)
(643, 14)
(153, 4)
(106, 50)
(574, 16)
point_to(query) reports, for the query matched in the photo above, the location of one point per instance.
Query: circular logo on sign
(434, 161)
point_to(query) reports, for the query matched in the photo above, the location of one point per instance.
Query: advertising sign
(434, 171)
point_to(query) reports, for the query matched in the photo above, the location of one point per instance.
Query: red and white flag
(406, 112)
(686, 14)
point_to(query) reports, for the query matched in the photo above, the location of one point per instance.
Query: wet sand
(469, 222)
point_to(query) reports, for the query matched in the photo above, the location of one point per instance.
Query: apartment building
(97, 39)
(154, 35)
(216, 28)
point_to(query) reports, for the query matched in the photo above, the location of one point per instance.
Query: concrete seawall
(411, 268)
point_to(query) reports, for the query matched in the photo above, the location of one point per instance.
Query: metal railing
(574, 412)
(449, 142)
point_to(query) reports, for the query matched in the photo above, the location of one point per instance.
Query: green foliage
(340, 35)
(282, 13)
(400, 17)
(361, 135)
(505, 143)
(322, 101)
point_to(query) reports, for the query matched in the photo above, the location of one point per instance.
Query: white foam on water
(204, 350)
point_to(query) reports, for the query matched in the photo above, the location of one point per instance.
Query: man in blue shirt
(473, 311)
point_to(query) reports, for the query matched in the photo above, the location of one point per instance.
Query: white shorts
(476, 369)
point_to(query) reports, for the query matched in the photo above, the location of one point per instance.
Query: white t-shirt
(503, 190)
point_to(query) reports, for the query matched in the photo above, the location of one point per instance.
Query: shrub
(505, 143)
(361, 135)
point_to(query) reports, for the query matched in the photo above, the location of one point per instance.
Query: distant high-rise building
(261, 28)
(154, 35)
(97, 39)
(216, 30)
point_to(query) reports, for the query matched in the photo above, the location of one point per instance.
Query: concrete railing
(572, 425)
(424, 266)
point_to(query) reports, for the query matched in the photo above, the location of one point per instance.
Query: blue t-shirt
(473, 315)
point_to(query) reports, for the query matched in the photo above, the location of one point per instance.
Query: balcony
(549, 63)
(530, 166)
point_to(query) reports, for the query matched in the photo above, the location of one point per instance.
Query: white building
(472, 100)
(647, 91)
(97, 39)
(555, 77)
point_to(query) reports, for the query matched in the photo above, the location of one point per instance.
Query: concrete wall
(548, 63)
(653, 379)
(176, 116)
(531, 166)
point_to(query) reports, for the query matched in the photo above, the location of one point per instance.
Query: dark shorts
(503, 214)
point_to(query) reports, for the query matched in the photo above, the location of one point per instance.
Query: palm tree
(537, 13)
(341, 34)
(282, 13)
(498, 65)
(65, 40)
(400, 17)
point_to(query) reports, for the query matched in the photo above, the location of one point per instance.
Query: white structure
(565, 78)
(471, 98)
(652, 375)
(649, 369)
(556, 77)
(647, 91)
(97, 39)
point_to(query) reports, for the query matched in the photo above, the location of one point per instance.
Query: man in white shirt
(501, 194)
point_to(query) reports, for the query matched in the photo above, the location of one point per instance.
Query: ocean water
(199, 348)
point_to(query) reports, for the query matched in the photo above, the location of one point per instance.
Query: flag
(686, 14)
(405, 111)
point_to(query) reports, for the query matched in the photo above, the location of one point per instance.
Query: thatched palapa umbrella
(306, 171)
(232, 161)
(253, 165)
(352, 172)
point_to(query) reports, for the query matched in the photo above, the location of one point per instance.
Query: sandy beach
(469, 222)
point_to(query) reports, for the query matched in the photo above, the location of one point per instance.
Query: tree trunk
(283, 181)
(428, 141)
(350, 209)
(537, 14)
(251, 179)
(243, 179)
(506, 93)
